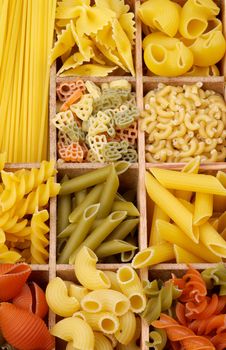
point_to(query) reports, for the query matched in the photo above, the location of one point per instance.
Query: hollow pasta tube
(114, 281)
(76, 330)
(79, 197)
(203, 208)
(102, 342)
(77, 291)
(212, 240)
(113, 247)
(171, 233)
(67, 231)
(63, 209)
(104, 322)
(91, 198)
(123, 229)
(125, 206)
(108, 193)
(171, 206)
(188, 182)
(86, 271)
(79, 234)
(158, 213)
(127, 328)
(153, 255)
(185, 257)
(219, 202)
(131, 286)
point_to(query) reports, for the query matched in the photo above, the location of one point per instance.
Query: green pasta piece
(122, 230)
(91, 198)
(121, 166)
(108, 193)
(151, 288)
(80, 196)
(215, 276)
(126, 206)
(128, 256)
(60, 245)
(67, 231)
(113, 247)
(119, 197)
(78, 236)
(130, 156)
(63, 209)
(98, 235)
(160, 302)
(84, 181)
(158, 339)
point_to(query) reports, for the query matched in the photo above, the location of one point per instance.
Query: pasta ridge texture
(39, 241)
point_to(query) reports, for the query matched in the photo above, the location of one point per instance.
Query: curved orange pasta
(219, 341)
(182, 334)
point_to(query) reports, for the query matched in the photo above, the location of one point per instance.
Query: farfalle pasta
(94, 39)
(101, 126)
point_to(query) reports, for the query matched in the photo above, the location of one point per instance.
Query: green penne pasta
(63, 209)
(121, 166)
(119, 197)
(108, 194)
(67, 231)
(113, 247)
(80, 196)
(82, 230)
(125, 206)
(91, 198)
(122, 230)
(98, 235)
(128, 256)
(97, 223)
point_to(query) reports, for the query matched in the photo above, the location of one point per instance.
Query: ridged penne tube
(91, 198)
(158, 213)
(77, 292)
(127, 328)
(114, 281)
(189, 182)
(153, 255)
(99, 234)
(125, 206)
(219, 202)
(63, 209)
(171, 206)
(105, 322)
(79, 234)
(133, 343)
(203, 208)
(109, 191)
(67, 231)
(102, 342)
(185, 257)
(76, 330)
(212, 240)
(106, 300)
(131, 286)
(113, 247)
(86, 272)
(174, 235)
(123, 229)
(58, 299)
(80, 196)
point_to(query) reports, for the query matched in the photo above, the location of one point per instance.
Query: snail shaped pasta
(166, 56)
(167, 21)
(194, 17)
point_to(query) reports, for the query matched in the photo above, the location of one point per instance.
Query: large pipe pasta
(127, 328)
(113, 247)
(203, 208)
(100, 321)
(185, 257)
(212, 240)
(86, 272)
(153, 255)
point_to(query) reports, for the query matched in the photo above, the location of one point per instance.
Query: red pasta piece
(77, 94)
(219, 341)
(180, 313)
(217, 323)
(129, 134)
(24, 330)
(24, 298)
(12, 279)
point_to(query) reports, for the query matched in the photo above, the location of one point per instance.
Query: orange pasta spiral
(185, 336)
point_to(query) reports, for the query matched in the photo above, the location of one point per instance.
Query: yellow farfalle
(128, 25)
(65, 41)
(91, 69)
(118, 6)
(112, 56)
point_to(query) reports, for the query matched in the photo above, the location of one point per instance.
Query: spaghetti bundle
(26, 34)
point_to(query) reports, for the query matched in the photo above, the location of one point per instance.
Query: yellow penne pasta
(221, 222)
(185, 257)
(153, 255)
(174, 235)
(171, 206)
(203, 208)
(191, 167)
(189, 182)
(219, 202)
(161, 215)
(212, 240)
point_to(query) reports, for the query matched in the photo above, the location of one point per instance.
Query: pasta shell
(40, 307)
(24, 330)
(12, 279)
(24, 298)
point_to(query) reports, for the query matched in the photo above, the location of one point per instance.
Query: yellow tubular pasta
(203, 208)
(114, 281)
(86, 272)
(127, 328)
(131, 286)
(102, 342)
(76, 291)
(157, 214)
(76, 330)
(106, 300)
(174, 235)
(185, 257)
(219, 202)
(212, 240)
(190, 182)
(171, 206)
(100, 321)
(153, 255)
(58, 299)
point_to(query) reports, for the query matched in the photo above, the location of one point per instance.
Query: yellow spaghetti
(26, 35)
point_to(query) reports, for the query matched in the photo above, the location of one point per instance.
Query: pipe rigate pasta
(127, 328)
(105, 322)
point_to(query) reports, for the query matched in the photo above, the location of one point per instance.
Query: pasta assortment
(94, 40)
(96, 217)
(184, 40)
(100, 126)
(181, 122)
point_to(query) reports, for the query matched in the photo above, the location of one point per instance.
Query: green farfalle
(159, 300)
(215, 276)
(157, 339)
